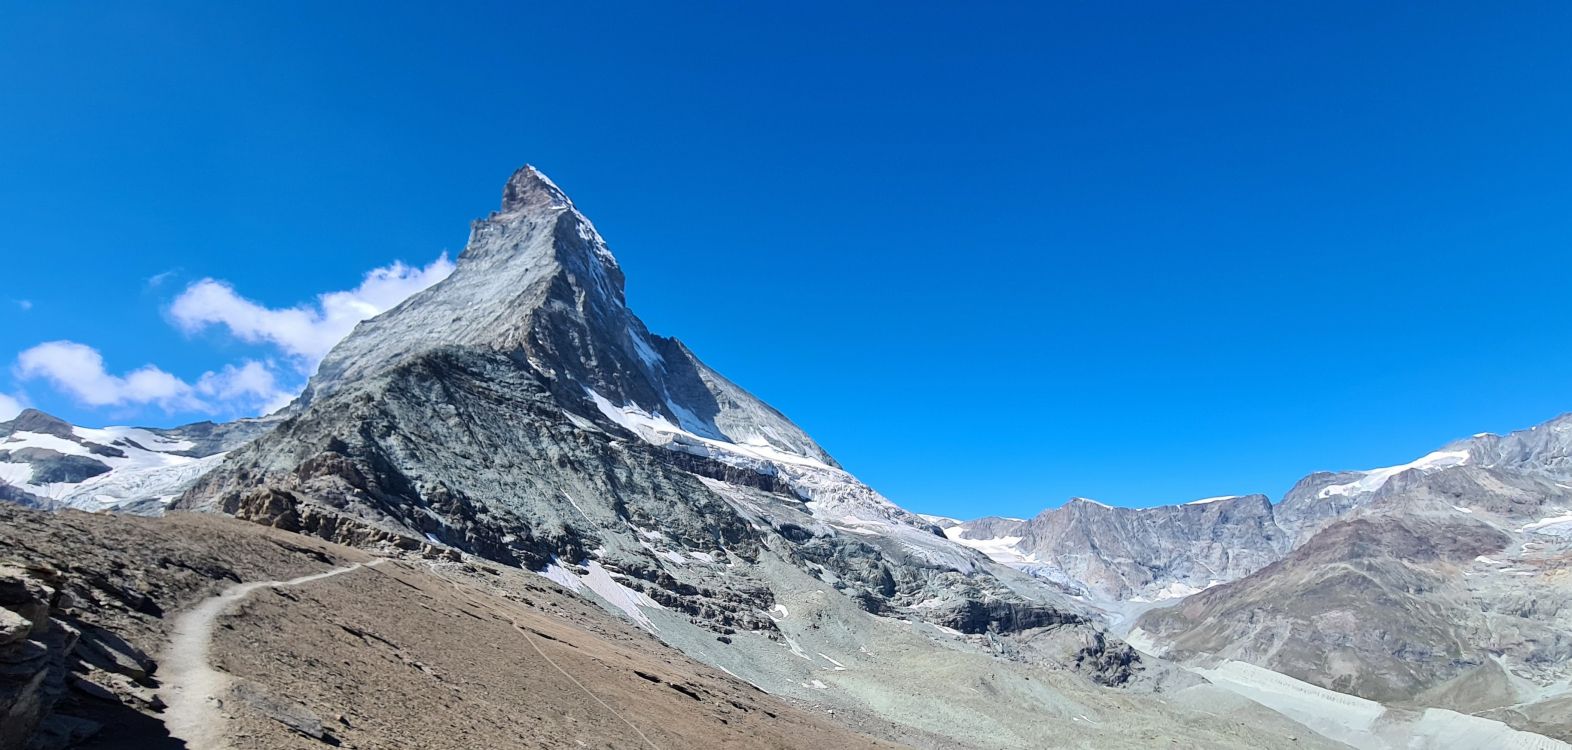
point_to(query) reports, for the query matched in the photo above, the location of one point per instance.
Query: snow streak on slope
(1373, 479)
(603, 583)
(831, 494)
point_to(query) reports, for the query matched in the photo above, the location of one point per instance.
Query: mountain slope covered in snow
(48, 463)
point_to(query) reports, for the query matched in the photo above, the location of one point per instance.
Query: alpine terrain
(506, 514)
(1439, 588)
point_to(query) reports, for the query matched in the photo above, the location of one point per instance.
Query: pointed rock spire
(529, 188)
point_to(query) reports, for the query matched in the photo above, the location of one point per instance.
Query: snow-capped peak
(530, 188)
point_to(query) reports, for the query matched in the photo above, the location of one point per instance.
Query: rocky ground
(411, 653)
(421, 650)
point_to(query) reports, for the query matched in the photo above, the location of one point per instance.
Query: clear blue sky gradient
(990, 257)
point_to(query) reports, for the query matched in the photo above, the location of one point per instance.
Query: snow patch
(601, 582)
(658, 430)
(148, 467)
(1000, 549)
(796, 649)
(838, 665)
(1560, 526)
(646, 353)
(1210, 500)
(1370, 481)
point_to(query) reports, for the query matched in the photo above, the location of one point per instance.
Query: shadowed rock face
(51, 466)
(33, 420)
(33, 653)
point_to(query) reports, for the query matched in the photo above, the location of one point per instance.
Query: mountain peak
(33, 420)
(537, 280)
(529, 188)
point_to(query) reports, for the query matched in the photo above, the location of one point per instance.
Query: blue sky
(990, 257)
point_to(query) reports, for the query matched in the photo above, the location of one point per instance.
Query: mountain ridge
(517, 413)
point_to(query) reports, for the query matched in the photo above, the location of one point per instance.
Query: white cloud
(78, 371)
(252, 383)
(25, 304)
(10, 406)
(305, 332)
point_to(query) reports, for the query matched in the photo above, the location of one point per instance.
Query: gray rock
(1114, 554)
(50, 467)
(33, 656)
(58, 732)
(13, 627)
(296, 717)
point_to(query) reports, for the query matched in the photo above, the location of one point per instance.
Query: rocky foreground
(410, 653)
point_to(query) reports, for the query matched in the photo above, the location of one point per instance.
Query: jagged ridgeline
(520, 412)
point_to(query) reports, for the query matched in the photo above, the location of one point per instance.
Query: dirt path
(191, 686)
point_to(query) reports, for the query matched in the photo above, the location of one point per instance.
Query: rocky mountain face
(1442, 585)
(519, 412)
(1442, 582)
(1151, 553)
(538, 283)
(1113, 555)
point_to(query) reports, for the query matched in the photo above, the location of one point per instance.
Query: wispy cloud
(10, 406)
(158, 279)
(304, 332)
(78, 371)
(24, 304)
(252, 383)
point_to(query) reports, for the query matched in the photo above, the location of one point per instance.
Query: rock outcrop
(34, 650)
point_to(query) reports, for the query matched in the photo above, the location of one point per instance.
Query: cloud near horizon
(303, 334)
(77, 370)
(10, 406)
